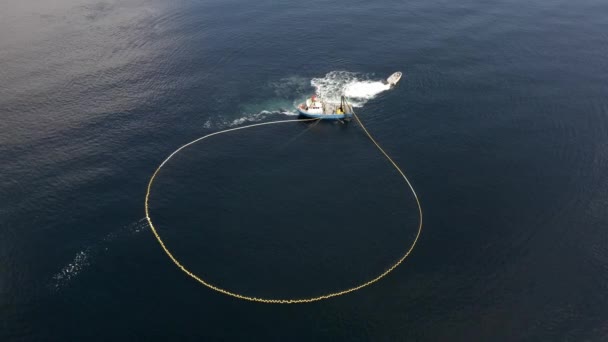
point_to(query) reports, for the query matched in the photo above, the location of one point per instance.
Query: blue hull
(325, 116)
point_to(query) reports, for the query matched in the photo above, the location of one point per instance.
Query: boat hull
(325, 116)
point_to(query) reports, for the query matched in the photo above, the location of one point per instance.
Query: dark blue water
(501, 121)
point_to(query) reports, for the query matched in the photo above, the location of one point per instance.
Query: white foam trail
(256, 117)
(84, 258)
(365, 90)
(357, 87)
(289, 113)
(246, 118)
(71, 270)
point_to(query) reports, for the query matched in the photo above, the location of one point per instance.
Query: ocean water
(500, 121)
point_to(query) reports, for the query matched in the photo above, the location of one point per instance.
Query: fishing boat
(315, 107)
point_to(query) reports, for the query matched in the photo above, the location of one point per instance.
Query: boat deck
(330, 108)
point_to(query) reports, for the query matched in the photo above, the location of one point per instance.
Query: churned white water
(358, 88)
(365, 90)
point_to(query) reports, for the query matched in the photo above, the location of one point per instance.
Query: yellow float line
(284, 300)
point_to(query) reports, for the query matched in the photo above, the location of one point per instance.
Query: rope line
(283, 300)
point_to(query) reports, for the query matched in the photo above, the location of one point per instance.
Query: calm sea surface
(500, 121)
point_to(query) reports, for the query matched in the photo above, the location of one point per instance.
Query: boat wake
(256, 117)
(83, 258)
(280, 99)
(358, 88)
(246, 118)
